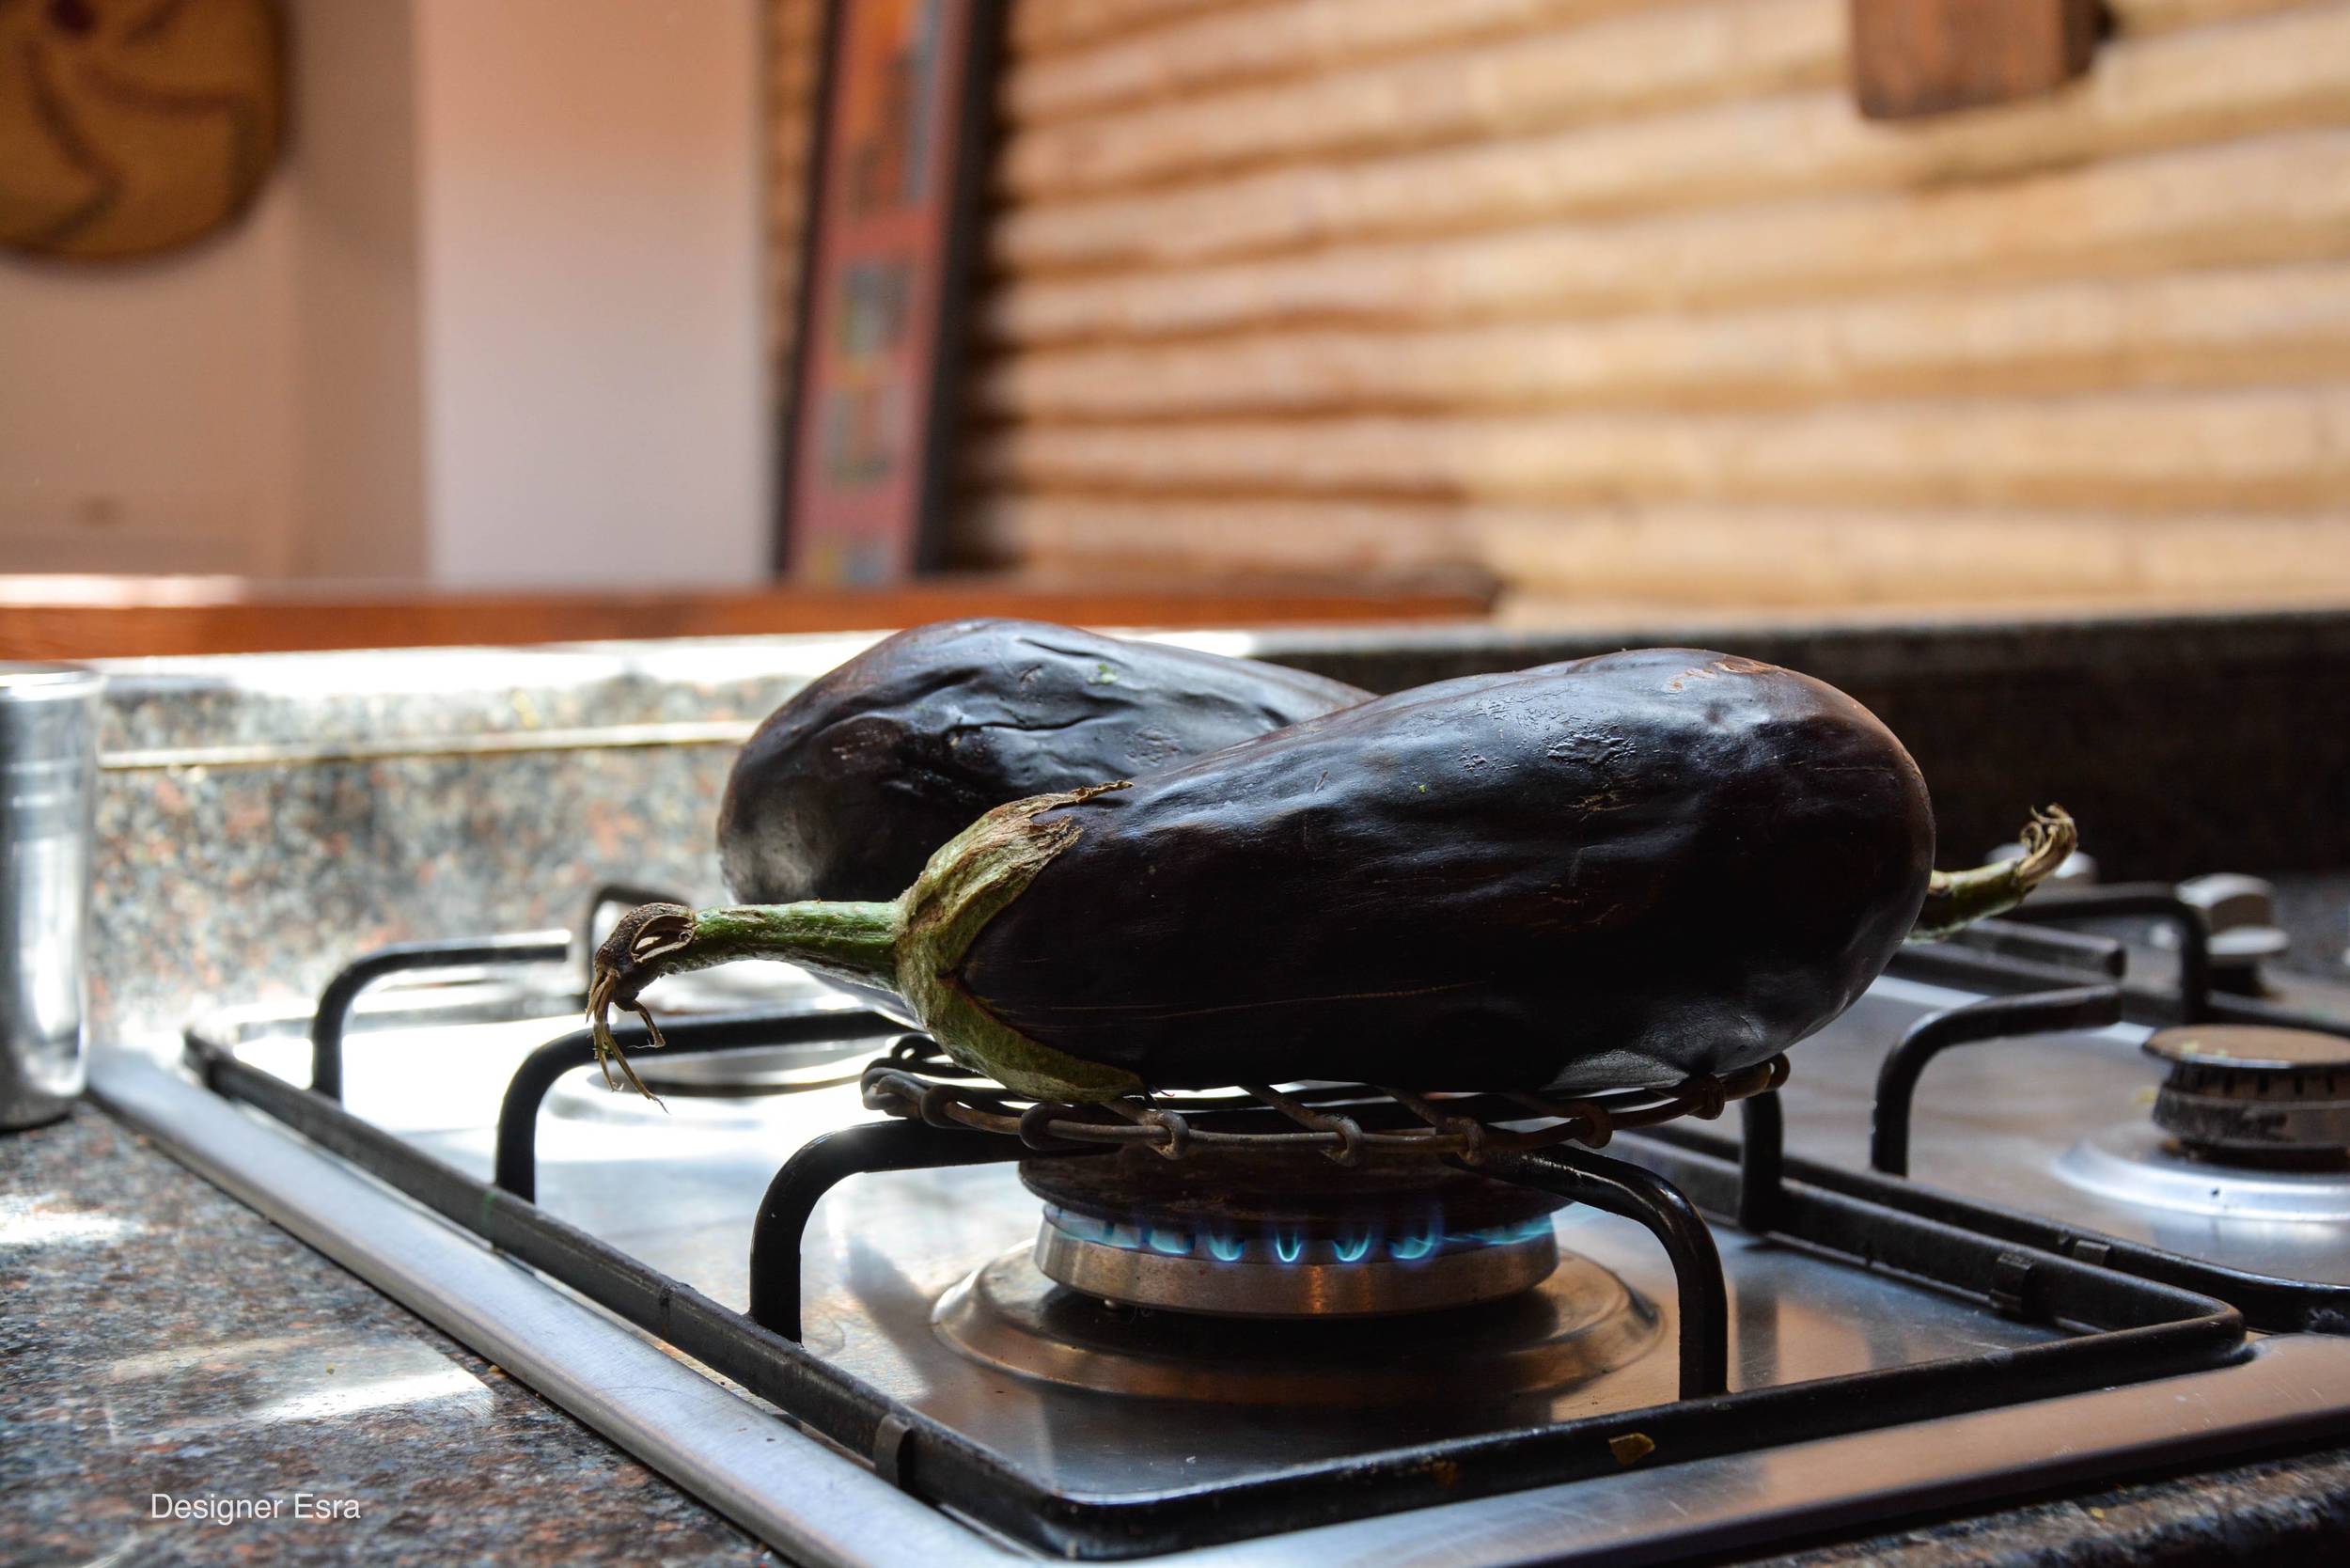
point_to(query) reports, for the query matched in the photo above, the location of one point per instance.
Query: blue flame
(1289, 1243)
(1411, 1249)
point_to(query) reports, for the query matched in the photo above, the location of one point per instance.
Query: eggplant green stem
(913, 945)
(848, 941)
(1955, 900)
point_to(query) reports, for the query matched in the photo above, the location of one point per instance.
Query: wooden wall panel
(2268, 198)
(2265, 449)
(2176, 89)
(1680, 552)
(1626, 298)
(2203, 327)
(1250, 42)
(1612, 68)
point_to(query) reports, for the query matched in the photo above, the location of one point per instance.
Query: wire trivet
(1345, 1122)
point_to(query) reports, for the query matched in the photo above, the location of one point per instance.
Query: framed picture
(895, 174)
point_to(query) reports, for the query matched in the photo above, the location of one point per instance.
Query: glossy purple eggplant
(847, 789)
(1624, 870)
(1628, 870)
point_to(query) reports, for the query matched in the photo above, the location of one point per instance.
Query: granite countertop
(144, 1318)
(145, 1315)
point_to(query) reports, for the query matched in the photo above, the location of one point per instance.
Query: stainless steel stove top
(920, 1286)
(2062, 1125)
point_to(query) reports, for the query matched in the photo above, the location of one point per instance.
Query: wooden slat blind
(1626, 300)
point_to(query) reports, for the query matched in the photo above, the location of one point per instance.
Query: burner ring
(1262, 1235)
(2247, 1092)
(1331, 1285)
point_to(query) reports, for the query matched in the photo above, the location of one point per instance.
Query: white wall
(494, 322)
(358, 364)
(594, 389)
(146, 413)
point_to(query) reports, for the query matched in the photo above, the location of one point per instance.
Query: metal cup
(48, 784)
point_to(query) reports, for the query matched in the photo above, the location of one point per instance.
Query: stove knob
(2241, 912)
(2241, 915)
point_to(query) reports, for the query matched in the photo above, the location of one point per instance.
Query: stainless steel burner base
(2135, 1162)
(1580, 1323)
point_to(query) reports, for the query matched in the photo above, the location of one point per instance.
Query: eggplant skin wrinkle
(1628, 869)
(845, 790)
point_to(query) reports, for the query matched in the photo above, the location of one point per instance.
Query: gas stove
(2065, 1199)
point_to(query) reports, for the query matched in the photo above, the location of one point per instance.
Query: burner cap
(2250, 1093)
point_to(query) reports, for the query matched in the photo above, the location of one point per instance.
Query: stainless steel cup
(48, 783)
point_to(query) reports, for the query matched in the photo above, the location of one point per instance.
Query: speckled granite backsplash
(263, 820)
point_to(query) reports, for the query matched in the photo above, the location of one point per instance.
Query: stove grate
(2132, 1329)
(946, 1122)
(2127, 1326)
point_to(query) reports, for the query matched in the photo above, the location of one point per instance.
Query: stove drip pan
(1578, 1323)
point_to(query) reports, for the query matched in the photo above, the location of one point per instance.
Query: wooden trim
(879, 512)
(141, 619)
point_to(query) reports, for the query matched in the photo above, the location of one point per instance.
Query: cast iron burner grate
(2161, 1317)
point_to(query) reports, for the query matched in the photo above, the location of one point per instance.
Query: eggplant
(1626, 871)
(847, 789)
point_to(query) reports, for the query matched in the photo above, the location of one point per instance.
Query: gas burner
(1267, 1235)
(1570, 1328)
(2254, 1123)
(2245, 1094)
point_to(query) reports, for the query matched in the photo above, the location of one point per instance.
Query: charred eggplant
(1624, 870)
